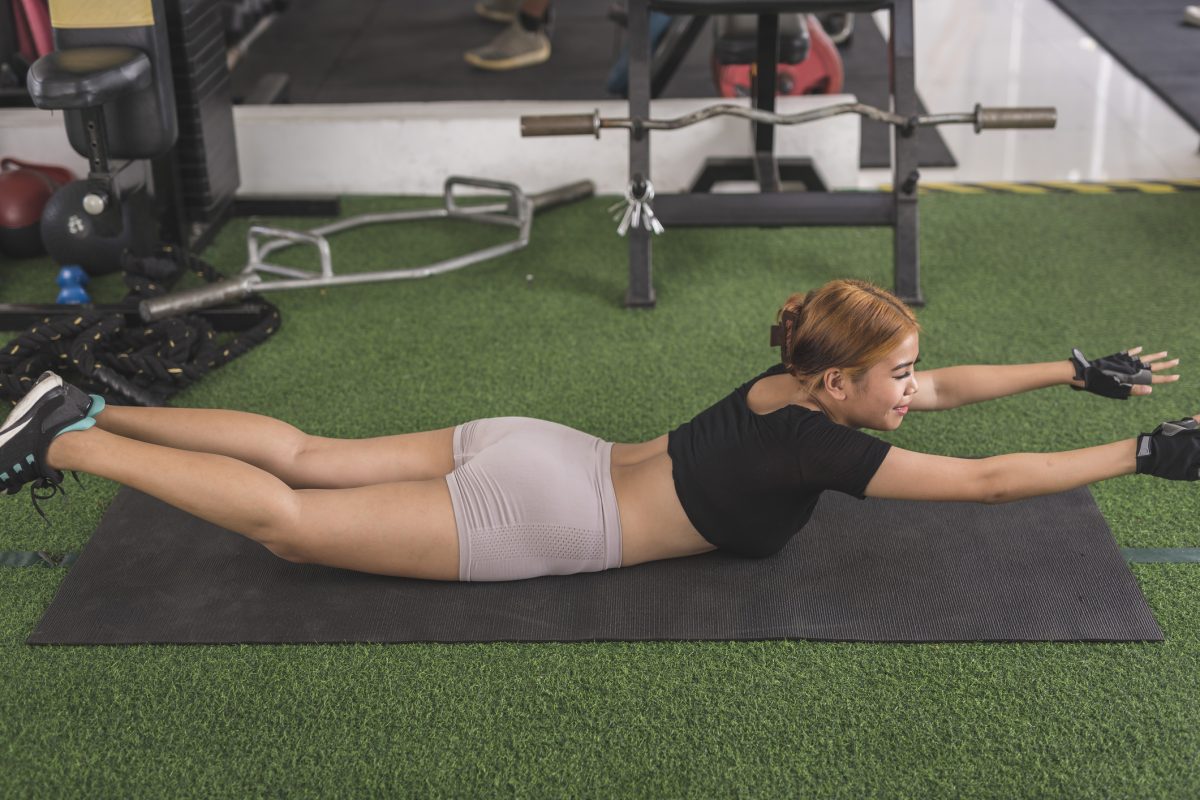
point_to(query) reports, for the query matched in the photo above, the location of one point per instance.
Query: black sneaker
(47, 381)
(25, 440)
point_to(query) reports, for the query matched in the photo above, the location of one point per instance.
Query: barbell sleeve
(214, 294)
(561, 125)
(1033, 117)
(561, 195)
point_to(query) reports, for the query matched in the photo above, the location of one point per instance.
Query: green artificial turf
(543, 333)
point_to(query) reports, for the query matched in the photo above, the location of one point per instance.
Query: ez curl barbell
(636, 209)
(982, 118)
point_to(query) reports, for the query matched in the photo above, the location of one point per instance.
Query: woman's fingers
(1161, 365)
(1156, 365)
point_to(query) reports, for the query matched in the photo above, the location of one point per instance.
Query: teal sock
(97, 405)
(82, 425)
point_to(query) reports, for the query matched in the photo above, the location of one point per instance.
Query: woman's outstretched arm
(1171, 451)
(912, 475)
(962, 385)
(1015, 476)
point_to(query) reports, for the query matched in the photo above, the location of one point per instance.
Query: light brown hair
(849, 324)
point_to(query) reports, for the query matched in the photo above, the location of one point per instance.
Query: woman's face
(886, 387)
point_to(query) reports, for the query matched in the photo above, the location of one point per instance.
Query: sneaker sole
(539, 56)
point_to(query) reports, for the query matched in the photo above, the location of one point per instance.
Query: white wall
(410, 148)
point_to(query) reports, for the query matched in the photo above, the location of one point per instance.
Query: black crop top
(748, 482)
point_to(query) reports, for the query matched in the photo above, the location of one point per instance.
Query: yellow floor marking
(1016, 188)
(1082, 188)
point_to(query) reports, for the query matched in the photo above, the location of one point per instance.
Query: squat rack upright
(771, 207)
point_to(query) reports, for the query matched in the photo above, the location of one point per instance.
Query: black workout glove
(1111, 376)
(1171, 451)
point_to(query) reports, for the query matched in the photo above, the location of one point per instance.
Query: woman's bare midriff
(653, 523)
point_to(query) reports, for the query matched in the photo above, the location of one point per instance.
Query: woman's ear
(835, 383)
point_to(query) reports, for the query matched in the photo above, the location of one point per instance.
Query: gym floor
(1010, 278)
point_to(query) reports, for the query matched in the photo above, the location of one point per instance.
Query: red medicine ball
(24, 190)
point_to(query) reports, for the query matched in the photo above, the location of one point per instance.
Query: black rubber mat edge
(1134, 555)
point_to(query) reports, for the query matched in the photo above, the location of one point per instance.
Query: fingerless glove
(1171, 451)
(1111, 376)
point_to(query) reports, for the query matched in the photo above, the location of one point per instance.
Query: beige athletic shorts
(532, 498)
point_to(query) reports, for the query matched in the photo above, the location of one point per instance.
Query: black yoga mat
(1151, 39)
(1042, 569)
(367, 51)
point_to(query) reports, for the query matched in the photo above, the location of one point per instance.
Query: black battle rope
(143, 364)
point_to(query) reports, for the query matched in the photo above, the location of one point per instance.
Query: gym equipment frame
(771, 207)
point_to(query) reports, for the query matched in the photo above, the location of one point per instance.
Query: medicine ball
(24, 192)
(96, 242)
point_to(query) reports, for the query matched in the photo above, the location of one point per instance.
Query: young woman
(512, 497)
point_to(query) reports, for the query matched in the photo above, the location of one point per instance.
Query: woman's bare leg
(296, 458)
(404, 529)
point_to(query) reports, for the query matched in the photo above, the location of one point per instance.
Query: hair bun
(789, 320)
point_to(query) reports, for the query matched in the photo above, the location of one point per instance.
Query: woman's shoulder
(774, 369)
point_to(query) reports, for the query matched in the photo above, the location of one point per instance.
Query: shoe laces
(49, 488)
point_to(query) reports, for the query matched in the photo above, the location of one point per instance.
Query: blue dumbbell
(71, 279)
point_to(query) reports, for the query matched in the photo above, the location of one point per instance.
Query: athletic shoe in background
(498, 10)
(514, 48)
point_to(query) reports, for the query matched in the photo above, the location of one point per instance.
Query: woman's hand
(1171, 451)
(1121, 373)
(1155, 368)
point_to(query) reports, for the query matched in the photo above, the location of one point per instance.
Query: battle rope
(143, 364)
